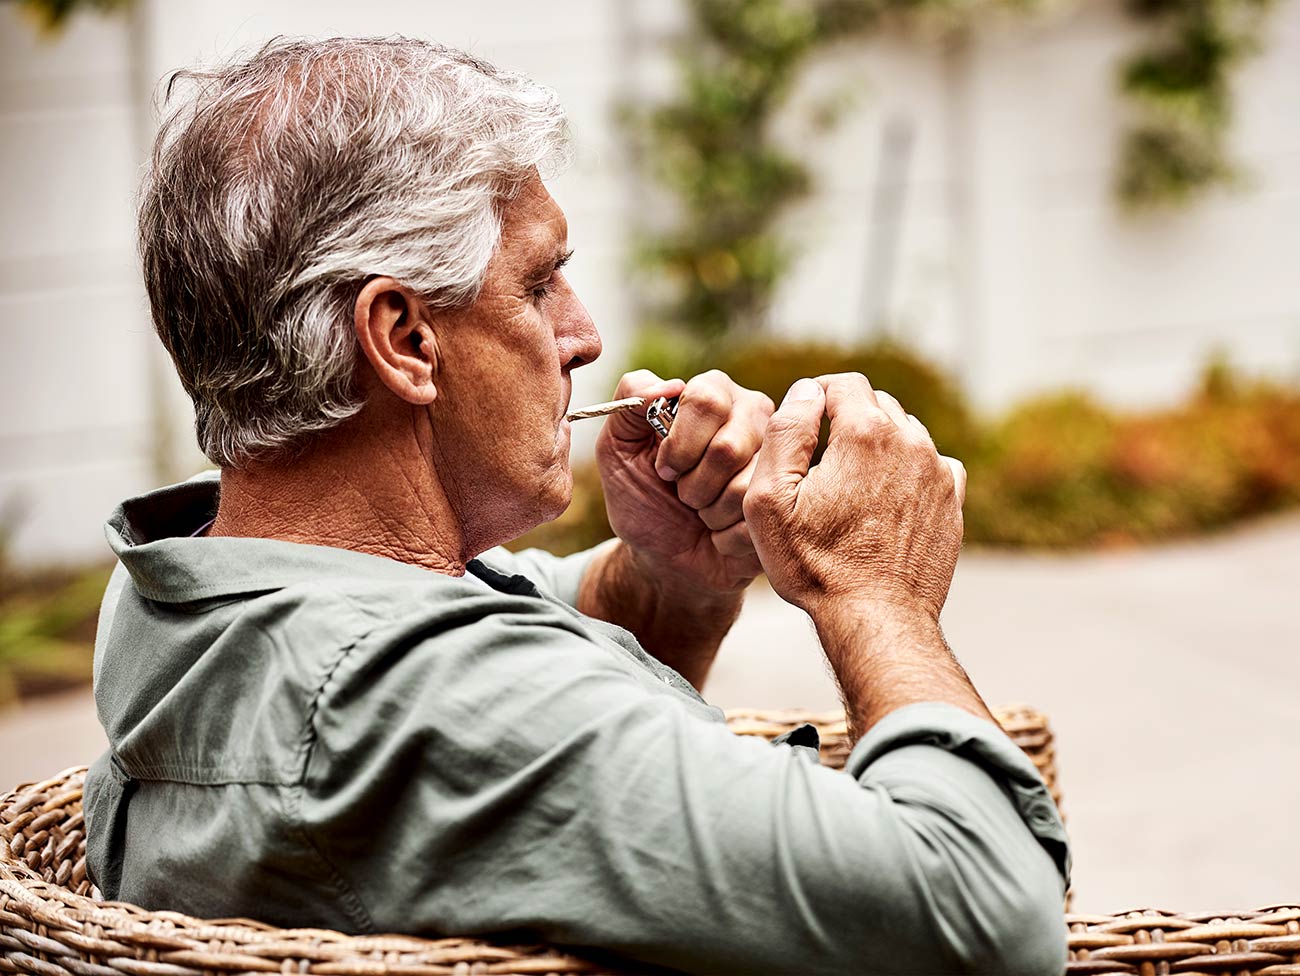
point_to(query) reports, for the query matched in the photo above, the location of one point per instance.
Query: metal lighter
(661, 413)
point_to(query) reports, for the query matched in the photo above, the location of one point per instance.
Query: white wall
(1013, 265)
(74, 386)
(1016, 267)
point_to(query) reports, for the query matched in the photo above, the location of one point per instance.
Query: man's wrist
(668, 584)
(677, 624)
(887, 653)
(892, 614)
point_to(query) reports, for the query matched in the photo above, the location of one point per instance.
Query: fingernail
(665, 472)
(804, 389)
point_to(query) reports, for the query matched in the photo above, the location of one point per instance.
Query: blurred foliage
(711, 148)
(717, 259)
(1059, 472)
(1179, 88)
(771, 365)
(53, 14)
(47, 630)
(1064, 472)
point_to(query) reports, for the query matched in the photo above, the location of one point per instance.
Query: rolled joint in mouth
(607, 408)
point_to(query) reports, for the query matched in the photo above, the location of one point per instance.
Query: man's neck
(349, 492)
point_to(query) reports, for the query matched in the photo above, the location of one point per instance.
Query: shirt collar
(152, 536)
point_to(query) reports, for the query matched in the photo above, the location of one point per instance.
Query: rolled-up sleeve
(536, 784)
(876, 758)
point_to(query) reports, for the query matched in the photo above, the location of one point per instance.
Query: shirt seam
(353, 903)
(187, 773)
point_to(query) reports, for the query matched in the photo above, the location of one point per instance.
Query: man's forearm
(886, 656)
(680, 625)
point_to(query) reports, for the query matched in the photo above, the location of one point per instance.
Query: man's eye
(541, 291)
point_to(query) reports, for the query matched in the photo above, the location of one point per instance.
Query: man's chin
(557, 492)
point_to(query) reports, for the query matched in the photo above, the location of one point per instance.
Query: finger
(912, 419)
(851, 403)
(705, 406)
(889, 403)
(630, 425)
(730, 452)
(958, 477)
(728, 507)
(787, 449)
(735, 541)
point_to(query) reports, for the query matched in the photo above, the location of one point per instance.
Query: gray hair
(286, 181)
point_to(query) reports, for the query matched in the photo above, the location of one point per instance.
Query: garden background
(1062, 233)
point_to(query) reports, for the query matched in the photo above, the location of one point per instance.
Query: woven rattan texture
(51, 924)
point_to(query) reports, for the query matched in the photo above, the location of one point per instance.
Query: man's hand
(678, 503)
(678, 574)
(866, 543)
(879, 518)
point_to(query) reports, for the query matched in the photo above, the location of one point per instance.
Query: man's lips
(568, 399)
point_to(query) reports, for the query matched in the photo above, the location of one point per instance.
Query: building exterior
(963, 204)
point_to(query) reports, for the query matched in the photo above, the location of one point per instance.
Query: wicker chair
(53, 924)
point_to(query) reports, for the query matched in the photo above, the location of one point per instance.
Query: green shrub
(1056, 472)
(772, 365)
(47, 630)
(1062, 472)
(1038, 477)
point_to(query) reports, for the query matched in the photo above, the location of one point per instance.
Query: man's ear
(396, 336)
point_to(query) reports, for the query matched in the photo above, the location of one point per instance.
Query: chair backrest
(43, 829)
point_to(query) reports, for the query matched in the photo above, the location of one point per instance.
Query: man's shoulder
(216, 687)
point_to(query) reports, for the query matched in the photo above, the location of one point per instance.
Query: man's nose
(579, 340)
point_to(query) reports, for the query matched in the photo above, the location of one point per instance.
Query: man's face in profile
(504, 378)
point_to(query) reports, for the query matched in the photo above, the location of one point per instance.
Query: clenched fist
(677, 503)
(877, 520)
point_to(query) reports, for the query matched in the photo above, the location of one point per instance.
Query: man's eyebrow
(548, 267)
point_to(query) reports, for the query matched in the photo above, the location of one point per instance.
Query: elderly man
(332, 701)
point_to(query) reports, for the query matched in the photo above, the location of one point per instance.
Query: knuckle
(729, 503)
(707, 399)
(870, 424)
(718, 517)
(727, 451)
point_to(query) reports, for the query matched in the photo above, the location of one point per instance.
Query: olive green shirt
(317, 737)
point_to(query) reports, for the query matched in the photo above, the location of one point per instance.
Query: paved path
(1171, 675)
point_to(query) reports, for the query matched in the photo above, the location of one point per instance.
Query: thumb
(631, 425)
(790, 440)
